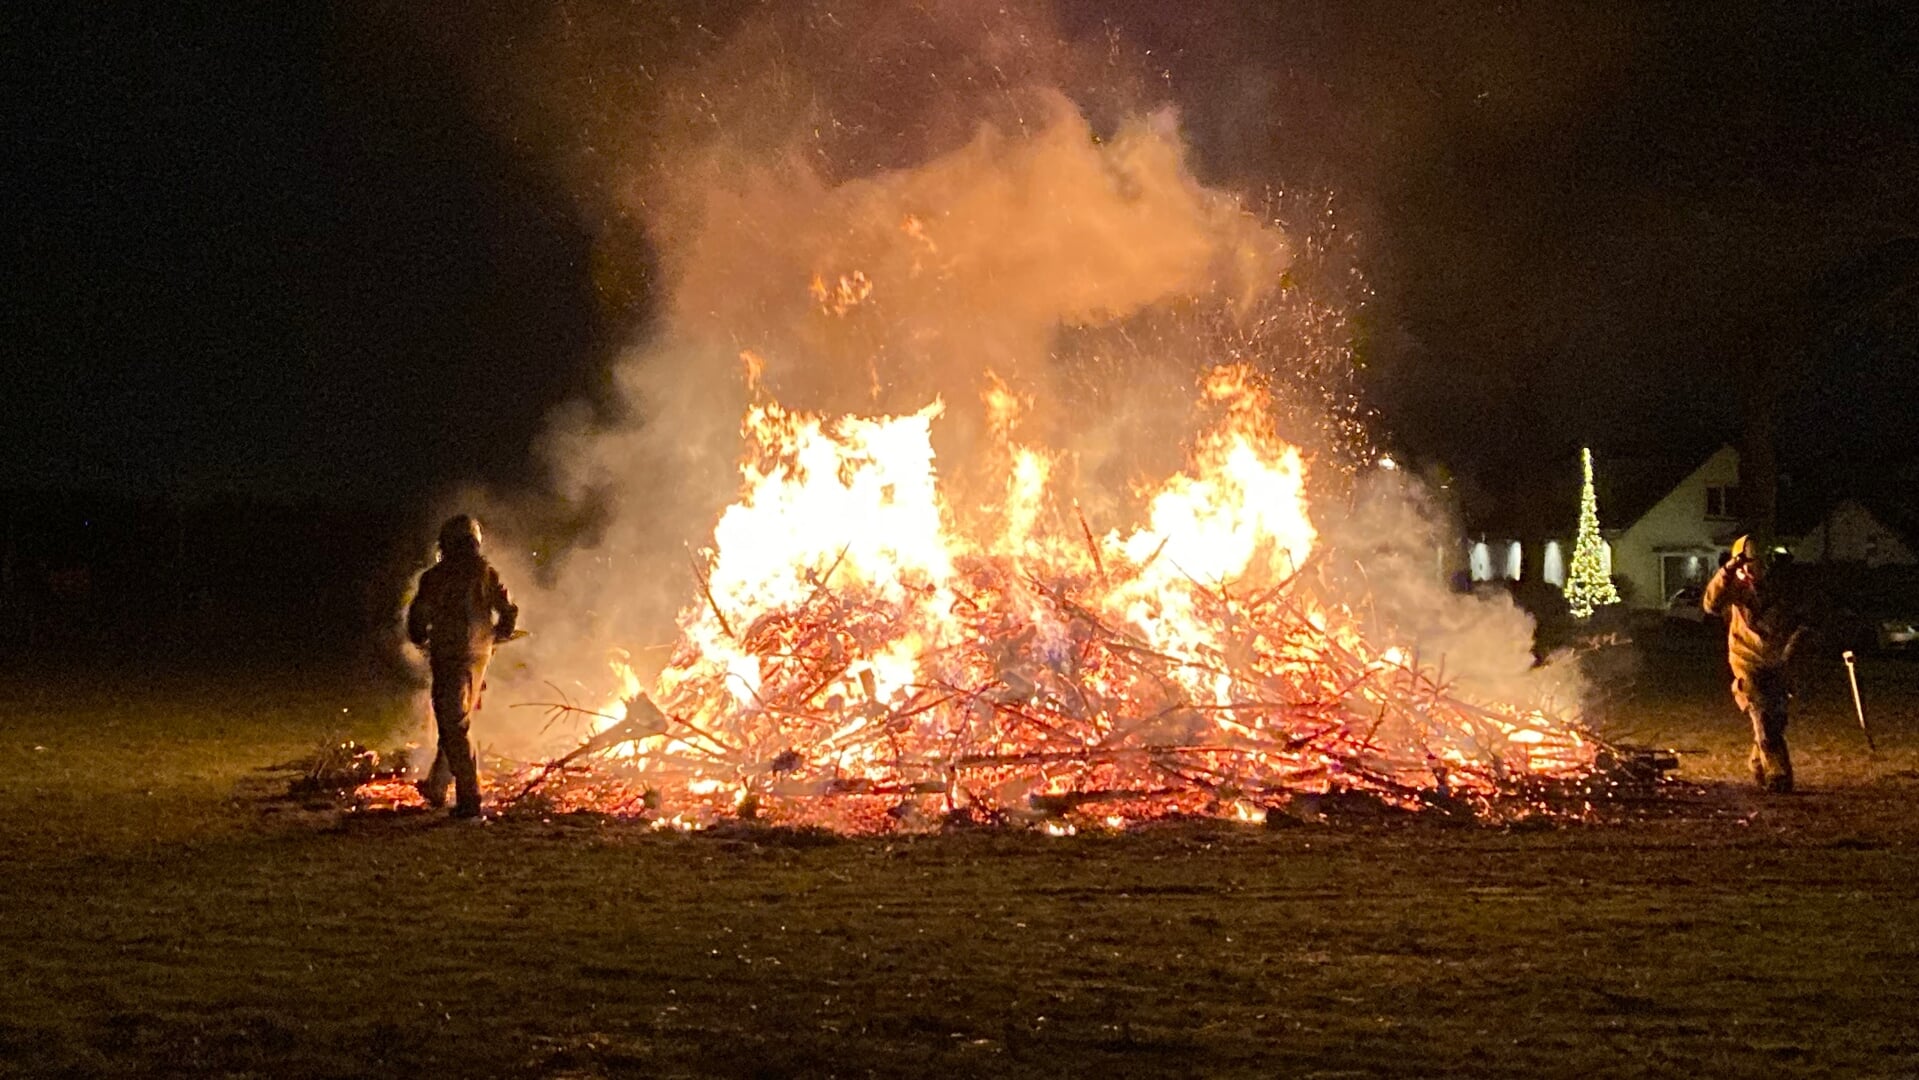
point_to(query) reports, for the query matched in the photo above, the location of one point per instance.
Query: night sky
(288, 252)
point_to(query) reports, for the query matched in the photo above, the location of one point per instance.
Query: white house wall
(1677, 522)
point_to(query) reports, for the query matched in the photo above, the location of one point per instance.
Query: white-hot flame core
(864, 486)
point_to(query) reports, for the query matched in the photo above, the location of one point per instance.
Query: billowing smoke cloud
(1387, 560)
(865, 209)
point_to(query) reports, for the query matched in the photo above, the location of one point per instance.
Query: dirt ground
(161, 914)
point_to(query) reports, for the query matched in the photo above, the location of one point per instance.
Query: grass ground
(159, 916)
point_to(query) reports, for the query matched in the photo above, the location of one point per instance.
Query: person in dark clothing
(459, 614)
(1765, 620)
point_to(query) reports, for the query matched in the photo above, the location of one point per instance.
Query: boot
(1779, 769)
(1772, 765)
(432, 787)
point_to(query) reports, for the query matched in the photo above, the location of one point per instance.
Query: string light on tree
(1589, 581)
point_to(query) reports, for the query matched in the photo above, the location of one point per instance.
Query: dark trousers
(457, 682)
(1763, 694)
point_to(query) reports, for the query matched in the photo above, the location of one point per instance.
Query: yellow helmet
(1755, 548)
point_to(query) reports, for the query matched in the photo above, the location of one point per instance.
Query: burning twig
(826, 577)
(643, 720)
(706, 590)
(1092, 547)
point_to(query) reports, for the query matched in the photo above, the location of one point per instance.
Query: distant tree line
(85, 577)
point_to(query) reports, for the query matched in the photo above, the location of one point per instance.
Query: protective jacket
(1764, 620)
(460, 611)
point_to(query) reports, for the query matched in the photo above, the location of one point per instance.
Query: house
(1850, 532)
(1506, 559)
(1669, 522)
(1675, 535)
(1679, 514)
(1522, 533)
(1682, 535)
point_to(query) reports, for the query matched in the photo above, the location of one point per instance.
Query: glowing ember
(865, 655)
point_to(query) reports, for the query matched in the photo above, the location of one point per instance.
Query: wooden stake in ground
(1852, 676)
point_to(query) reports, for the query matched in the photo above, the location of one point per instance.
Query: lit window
(1480, 562)
(1553, 566)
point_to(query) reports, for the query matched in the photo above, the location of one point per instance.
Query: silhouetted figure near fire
(1765, 619)
(459, 614)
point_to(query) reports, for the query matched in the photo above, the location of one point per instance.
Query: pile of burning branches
(1058, 712)
(859, 659)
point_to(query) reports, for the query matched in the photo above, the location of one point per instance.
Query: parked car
(1898, 632)
(1683, 605)
(1881, 623)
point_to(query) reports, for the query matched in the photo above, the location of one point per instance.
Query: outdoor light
(1589, 585)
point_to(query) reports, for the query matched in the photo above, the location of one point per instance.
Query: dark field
(160, 913)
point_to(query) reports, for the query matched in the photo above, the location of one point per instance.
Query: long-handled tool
(1852, 676)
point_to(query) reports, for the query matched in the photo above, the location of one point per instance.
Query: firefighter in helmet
(460, 612)
(1764, 623)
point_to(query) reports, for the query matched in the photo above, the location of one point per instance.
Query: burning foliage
(347, 770)
(865, 656)
(336, 767)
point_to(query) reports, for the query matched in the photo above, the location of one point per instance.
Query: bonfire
(864, 656)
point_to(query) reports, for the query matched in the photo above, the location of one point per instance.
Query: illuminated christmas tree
(1589, 582)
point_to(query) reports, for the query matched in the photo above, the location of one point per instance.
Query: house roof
(1542, 500)
(1891, 496)
(1629, 487)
